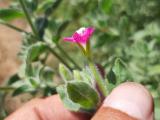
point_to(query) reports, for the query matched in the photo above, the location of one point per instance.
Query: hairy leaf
(83, 94)
(106, 5)
(111, 77)
(21, 89)
(65, 73)
(35, 51)
(9, 14)
(46, 74)
(41, 24)
(68, 103)
(13, 79)
(119, 70)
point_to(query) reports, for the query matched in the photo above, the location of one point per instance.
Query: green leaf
(13, 79)
(87, 76)
(22, 70)
(21, 89)
(35, 51)
(41, 23)
(52, 7)
(34, 82)
(68, 103)
(157, 108)
(8, 14)
(46, 74)
(154, 70)
(29, 70)
(65, 73)
(32, 5)
(119, 70)
(110, 85)
(60, 30)
(106, 5)
(34, 70)
(44, 5)
(48, 91)
(77, 75)
(62, 27)
(83, 94)
(111, 77)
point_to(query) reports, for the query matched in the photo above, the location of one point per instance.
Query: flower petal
(87, 34)
(70, 39)
(89, 31)
(81, 36)
(77, 37)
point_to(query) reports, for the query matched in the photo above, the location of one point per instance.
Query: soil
(10, 42)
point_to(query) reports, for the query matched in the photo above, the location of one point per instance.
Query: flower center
(81, 30)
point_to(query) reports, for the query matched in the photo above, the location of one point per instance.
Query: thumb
(129, 101)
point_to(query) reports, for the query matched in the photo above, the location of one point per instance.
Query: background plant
(124, 28)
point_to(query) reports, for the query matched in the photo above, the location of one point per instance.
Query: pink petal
(87, 34)
(70, 39)
(89, 31)
(81, 38)
(78, 38)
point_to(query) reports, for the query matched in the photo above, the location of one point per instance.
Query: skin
(129, 101)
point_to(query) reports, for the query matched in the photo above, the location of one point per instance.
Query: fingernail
(128, 101)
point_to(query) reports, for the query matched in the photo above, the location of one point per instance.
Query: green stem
(13, 27)
(98, 78)
(36, 33)
(7, 88)
(67, 56)
(59, 57)
(22, 2)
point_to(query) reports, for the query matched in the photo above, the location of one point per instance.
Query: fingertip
(52, 108)
(131, 99)
(26, 111)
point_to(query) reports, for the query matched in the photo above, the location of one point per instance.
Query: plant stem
(67, 56)
(7, 88)
(59, 57)
(36, 33)
(13, 27)
(22, 2)
(98, 78)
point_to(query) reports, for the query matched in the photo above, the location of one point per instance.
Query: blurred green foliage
(128, 29)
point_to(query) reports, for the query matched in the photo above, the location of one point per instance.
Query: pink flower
(81, 36)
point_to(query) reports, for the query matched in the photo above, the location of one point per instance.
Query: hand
(129, 101)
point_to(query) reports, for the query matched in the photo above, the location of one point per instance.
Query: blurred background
(129, 29)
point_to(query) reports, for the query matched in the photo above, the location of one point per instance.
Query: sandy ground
(10, 42)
